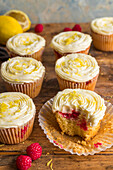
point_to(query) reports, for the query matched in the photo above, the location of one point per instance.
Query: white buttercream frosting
(88, 103)
(25, 43)
(16, 109)
(103, 25)
(22, 69)
(77, 67)
(71, 41)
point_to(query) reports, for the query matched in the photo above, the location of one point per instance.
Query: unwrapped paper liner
(76, 145)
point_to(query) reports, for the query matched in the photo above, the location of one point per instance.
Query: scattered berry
(23, 162)
(39, 28)
(67, 29)
(34, 151)
(77, 27)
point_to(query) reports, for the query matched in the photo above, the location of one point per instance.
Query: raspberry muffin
(71, 42)
(23, 74)
(77, 71)
(17, 113)
(79, 112)
(102, 33)
(26, 45)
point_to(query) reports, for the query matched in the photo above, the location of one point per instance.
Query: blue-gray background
(52, 11)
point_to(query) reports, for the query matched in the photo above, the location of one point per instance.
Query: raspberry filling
(74, 115)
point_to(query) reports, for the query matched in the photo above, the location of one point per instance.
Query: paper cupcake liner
(102, 42)
(76, 145)
(32, 89)
(59, 55)
(89, 85)
(37, 55)
(16, 135)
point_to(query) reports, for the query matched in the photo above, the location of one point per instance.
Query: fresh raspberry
(23, 162)
(67, 29)
(39, 28)
(34, 151)
(77, 27)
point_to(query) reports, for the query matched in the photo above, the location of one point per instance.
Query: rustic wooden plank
(61, 160)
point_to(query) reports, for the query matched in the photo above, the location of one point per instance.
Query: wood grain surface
(61, 160)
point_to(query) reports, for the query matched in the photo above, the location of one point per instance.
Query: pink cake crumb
(97, 144)
(58, 144)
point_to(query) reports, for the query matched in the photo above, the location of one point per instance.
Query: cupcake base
(89, 85)
(71, 128)
(59, 55)
(102, 42)
(16, 135)
(32, 89)
(37, 55)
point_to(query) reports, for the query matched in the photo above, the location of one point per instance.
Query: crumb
(47, 153)
(62, 133)
(101, 73)
(83, 142)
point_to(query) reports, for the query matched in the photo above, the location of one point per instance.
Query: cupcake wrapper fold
(89, 85)
(16, 135)
(32, 89)
(37, 55)
(102, 42)
(59, 55)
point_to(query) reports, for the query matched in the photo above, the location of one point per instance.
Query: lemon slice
(21, 17)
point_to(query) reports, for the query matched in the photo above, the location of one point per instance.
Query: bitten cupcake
(26, 45)
(77, 71)
(71, 42)
(102, 33)
(21, 74)
(17, 113)
(79, 112)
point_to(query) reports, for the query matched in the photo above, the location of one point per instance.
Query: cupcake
(26, 45)
(23, 74)
(17, 113)
(79, 112)
(102, 33)
(77, 71)
(71, 42)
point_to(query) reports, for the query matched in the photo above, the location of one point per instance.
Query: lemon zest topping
(49, 162)
(58, 66)
(3, 107)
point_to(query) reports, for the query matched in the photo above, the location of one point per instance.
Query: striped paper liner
(37, 55)
(64, 84)
(59, 55)
(102, 42)
(32, 89)
(16, 135)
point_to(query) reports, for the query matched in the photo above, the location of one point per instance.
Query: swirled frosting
(103, 25)
(77, 67)
(22, 69)
(88, 103)
(71, 41)
(16, 109)
(25, 43)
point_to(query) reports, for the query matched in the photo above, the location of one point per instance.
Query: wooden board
(62, 160)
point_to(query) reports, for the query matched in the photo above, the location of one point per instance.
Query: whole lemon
(8, 28)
